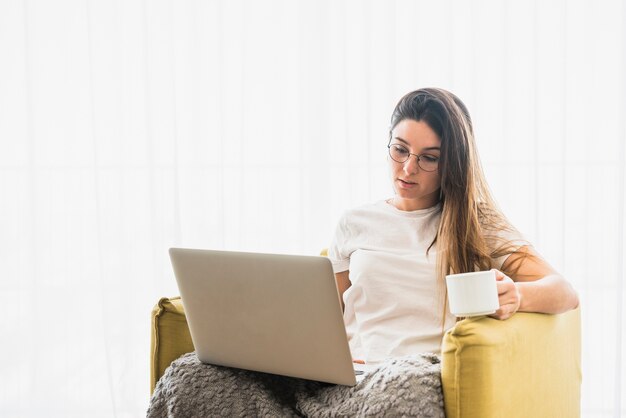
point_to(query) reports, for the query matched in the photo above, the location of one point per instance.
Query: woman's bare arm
(343, 283)
(540, 287)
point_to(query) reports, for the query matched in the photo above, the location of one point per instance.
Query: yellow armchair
(526, 366)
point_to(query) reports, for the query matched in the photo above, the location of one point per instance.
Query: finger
(503, 288)
(506, 285)
(358, 361)
(499, 274)
(496, 315)
(499, 315)
(509, 309)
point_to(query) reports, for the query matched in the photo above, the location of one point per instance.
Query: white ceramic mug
(473, 294)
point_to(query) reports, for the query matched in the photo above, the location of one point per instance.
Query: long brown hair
(468, 237)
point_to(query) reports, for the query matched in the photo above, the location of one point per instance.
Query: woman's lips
(406, 184)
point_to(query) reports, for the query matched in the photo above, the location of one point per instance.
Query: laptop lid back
(272, 313)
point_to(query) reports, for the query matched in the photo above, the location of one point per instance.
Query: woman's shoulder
(384, 211)
(368, 212)
(376, 206)
(498, 230)
(361, 215)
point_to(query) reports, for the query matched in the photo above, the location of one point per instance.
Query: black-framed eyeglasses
(401, 154)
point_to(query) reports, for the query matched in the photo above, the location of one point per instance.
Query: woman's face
(415, 188)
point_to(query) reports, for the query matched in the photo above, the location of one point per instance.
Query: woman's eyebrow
(423, 149)
(400, 139)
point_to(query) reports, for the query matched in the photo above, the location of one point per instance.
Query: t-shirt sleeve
(504, 241)
(338, 252)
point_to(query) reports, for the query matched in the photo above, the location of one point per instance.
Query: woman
(390, 258)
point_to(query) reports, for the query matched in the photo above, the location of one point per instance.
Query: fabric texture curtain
(128, 127)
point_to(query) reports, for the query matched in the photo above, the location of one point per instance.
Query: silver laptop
(271, 313)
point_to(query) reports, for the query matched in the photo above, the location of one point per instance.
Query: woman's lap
(409, 387)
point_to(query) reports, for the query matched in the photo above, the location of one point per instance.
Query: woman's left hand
(508, 295)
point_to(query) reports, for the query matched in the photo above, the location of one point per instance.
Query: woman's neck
(409, 205)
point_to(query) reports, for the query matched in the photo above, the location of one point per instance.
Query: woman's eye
(430, 158)
(401, 150)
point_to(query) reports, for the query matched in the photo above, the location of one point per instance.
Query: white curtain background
(128, 127)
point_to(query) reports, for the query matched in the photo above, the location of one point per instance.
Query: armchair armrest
(170, 337)
(526, 366)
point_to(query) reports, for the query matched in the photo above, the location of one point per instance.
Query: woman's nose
(411, 165)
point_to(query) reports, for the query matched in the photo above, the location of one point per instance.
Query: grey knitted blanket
(402, 387)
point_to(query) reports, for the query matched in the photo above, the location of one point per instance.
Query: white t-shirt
(393, 307)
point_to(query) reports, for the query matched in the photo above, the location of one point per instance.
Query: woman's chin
(407, 194)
